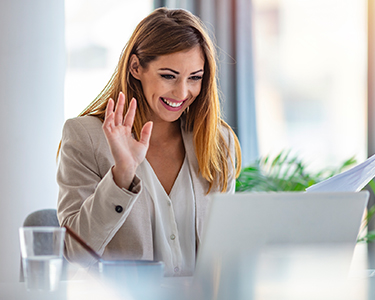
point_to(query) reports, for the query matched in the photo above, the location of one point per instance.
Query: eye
(167, 76)
(196, 78)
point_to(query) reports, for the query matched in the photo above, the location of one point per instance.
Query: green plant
(285, 172)
(366, 235)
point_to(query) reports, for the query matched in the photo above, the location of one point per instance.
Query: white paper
(352, 180)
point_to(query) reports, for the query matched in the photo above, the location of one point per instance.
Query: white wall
(32, 63)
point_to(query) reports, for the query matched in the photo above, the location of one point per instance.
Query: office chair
(44, 217)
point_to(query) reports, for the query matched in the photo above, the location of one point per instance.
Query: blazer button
(119, 208)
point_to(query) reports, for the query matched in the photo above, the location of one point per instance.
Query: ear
(134, 66)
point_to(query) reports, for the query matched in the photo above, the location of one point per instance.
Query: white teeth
(172, 104)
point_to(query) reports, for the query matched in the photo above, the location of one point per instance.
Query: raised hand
(127, 152)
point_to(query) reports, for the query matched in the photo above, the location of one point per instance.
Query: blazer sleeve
(91, 204)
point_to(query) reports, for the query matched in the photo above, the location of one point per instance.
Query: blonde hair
(166, 31)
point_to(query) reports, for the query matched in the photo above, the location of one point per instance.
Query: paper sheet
(352, 180)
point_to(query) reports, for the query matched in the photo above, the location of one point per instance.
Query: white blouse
(174, 224)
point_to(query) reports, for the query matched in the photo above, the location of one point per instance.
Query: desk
(76, 289)
(81, 290)
(83, 285)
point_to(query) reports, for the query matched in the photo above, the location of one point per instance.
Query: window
(310, 66)
(96, 32)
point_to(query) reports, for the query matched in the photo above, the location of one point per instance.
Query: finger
(119, 111)
(146, 133)
(130, 114)
(108, 122)
(109, 107)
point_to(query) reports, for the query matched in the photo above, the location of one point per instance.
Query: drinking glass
(42, 256)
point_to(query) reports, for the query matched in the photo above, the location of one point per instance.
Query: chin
(174, 119)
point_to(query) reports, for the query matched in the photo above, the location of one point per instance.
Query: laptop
(252, 240)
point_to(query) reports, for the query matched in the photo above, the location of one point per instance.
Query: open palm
(127, 152)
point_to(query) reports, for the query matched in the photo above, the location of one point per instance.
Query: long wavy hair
(166, 31)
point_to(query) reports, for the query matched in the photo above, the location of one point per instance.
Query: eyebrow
(173, 71)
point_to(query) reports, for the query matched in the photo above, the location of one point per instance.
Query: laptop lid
(243, 233)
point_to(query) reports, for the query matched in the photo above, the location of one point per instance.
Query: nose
(181, 90)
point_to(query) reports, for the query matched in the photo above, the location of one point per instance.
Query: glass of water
(42, 255)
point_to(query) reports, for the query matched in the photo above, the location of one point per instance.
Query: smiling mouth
(172, 104)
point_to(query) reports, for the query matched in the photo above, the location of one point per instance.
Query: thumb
(146, 133)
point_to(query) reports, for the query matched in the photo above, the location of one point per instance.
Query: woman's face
(171, 83)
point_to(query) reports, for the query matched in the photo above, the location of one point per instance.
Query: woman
(137, 166)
